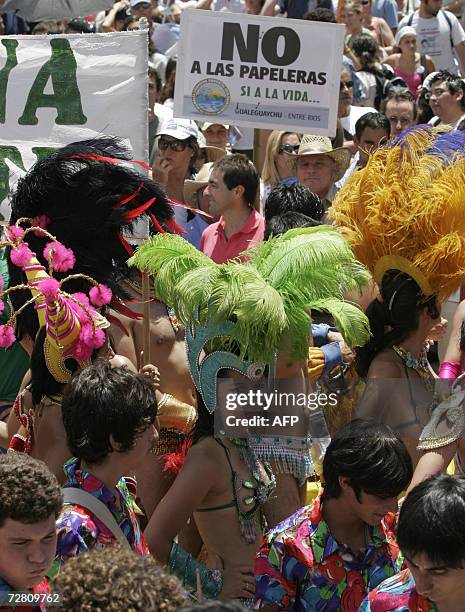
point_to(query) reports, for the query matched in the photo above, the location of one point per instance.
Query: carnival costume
(403, 214)
(89, 196)
(239, 314)
(74, 326)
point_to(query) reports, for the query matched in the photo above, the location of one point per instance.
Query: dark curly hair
(29, 492)
(101, 401)
(115, 579)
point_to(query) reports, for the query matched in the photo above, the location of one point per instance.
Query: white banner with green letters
(59, 89)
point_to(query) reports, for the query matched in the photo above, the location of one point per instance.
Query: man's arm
(460, 51)
(203, 4)
(269, 8)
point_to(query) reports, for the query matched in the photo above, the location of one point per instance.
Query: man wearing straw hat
(319, 166)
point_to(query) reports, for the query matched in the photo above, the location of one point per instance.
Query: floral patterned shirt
(397, 594)
(301, 566)
(79, 530)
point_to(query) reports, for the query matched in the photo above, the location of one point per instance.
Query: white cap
(181, 129)
(405, 31)
(134, 3)
(427, 82)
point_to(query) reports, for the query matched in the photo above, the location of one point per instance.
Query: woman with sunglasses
(276, 167)
(178, 150)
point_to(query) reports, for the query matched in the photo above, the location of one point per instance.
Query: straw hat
(214, 153)
(321, 145)
(201, 180)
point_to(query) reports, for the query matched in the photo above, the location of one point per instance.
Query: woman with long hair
(72, 334)
(277, 167)
(406, 62)
(372, 74)
(404, 234)
(223, 485)
(378, 27)
(394, 363)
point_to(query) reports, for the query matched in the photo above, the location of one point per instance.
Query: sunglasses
(345, 84)
(365, 2)
(174, 145)
(142, 5)
(287, 148)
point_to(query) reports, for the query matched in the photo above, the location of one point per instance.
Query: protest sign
(259, 71)
(59, 89)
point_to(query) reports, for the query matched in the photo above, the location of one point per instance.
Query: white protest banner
(59, 89)
(259, 71)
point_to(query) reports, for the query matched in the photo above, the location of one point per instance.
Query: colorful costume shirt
(79, 530)
(397, 594)
(301, 566)
(6, 589)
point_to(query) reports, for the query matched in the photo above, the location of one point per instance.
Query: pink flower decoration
(7, 336)
(49, 288)
(81, 297)
(2, 305)
(21, 255)
(62, 258)
(100, 295)
(91, 339)
(13, 232)
(82, 352)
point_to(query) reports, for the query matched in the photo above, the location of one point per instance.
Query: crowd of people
(279, 261)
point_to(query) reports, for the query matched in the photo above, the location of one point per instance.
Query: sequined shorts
(169, 442)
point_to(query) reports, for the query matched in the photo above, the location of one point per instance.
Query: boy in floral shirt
(327, 556)
(431, 535)
(109, 415)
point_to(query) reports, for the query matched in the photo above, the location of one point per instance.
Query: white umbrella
(41, 10)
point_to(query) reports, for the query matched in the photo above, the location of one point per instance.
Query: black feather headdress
(89, 197)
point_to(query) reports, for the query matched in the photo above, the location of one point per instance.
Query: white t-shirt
(434, 38)
(228, 6)
(348, 123)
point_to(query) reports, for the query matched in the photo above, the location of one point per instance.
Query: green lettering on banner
(61, 68)
(41, 152)
(11, 61)
(14, 155)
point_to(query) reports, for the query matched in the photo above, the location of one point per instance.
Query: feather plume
(268, 297)
(348, 318)
(408, 203)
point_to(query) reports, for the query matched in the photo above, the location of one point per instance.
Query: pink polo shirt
(215, 244)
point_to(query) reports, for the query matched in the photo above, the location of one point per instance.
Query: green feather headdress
(267, 297)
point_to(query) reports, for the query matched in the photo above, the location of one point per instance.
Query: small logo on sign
(210, 97)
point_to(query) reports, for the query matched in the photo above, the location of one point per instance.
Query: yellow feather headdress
(406, 210)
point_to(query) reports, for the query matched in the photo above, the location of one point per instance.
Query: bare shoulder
(386, 365)
(120, 361)
(206, 452)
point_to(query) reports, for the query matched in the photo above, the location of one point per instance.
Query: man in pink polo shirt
(231, 191)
